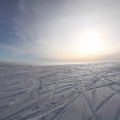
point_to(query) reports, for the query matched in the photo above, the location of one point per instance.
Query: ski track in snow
(48, 92)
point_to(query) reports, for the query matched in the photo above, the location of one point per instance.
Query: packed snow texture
(63, 92)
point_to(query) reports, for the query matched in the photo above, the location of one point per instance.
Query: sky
(59, 30)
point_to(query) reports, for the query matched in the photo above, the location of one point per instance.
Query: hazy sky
(59, 30)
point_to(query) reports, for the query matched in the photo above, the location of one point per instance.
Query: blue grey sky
(59, 30)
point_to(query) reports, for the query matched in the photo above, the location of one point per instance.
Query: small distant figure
(30, 66)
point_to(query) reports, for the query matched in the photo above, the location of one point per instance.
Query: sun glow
(90, 43)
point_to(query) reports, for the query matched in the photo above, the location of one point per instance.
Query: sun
(90, 43)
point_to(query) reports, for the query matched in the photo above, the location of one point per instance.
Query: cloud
(21, 5)
(52, 29)
(35, 29)
(28, 31)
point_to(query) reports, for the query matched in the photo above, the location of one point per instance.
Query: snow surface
(63, 92)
